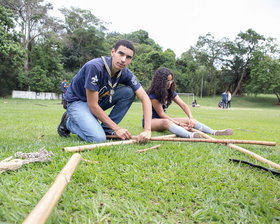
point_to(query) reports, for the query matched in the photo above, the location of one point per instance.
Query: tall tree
(265, 75)
(46, 58)
(11, 52)
(246, 43)
(187, 78)
(142, 37)
(210, 53)
(111, 39)
(148, 59)
(84, 37)
(33, 20)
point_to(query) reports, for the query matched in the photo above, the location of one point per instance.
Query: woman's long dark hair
(159, 86)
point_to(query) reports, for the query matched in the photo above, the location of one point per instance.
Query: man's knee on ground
(97, 138)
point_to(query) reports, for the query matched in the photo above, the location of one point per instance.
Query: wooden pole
(254, 155)
(46, 205)
(212, 140)
(98, 145)
(245, 151)
(135, 137)
(222, 141)
(144, 150)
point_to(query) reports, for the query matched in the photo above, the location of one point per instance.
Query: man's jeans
(84, 124)
(224, 104)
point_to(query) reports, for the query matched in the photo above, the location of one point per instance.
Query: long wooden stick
(164, 138)
(98, 145)
(212, 140)
(44, 208)
(223, 141)
(135, 137)
(245, 151)
(144, 150)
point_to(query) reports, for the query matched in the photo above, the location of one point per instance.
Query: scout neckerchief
(112, 90)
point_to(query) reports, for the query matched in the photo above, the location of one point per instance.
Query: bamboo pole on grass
(222, 141)
(46, 205)
(135, 137)
(164, 138)
(245, 151)
(98, 145)
(212, 140)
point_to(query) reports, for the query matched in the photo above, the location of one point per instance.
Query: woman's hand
(191, 123)
(144, 136)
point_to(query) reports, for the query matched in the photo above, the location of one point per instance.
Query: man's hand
(123, 133)
(144, 136)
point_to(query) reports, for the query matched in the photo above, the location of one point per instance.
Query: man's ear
(113, 51)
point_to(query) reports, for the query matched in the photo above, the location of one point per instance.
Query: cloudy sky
(177, 24)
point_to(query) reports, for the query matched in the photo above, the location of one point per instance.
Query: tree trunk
(26, 30)
(277, 95)
(24, 45)
(241, 78)
(201, 88)
(243, 72)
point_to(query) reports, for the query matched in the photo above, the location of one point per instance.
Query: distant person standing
(63, 89)
(228, 99)
(224, 99)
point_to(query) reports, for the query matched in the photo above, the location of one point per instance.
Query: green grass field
(177, 183)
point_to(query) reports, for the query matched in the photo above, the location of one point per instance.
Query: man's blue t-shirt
(94, 76)
(224, 96)
(63, 87)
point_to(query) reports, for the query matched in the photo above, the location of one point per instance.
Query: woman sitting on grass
(162, 93)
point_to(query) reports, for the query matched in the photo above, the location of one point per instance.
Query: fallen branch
(144, 150)
(44, 208)
(245, 151)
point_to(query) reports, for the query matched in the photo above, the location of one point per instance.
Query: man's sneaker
(110, 133)
(195, 135)
(62, 129)
(224, 132)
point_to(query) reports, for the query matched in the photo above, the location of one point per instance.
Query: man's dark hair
(125, 43)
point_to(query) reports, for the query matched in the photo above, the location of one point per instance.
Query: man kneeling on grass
(95, 89)
(162, 93)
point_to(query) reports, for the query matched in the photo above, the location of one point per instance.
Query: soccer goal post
(190, 96)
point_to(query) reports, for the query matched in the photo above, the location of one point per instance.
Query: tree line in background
(37, 51)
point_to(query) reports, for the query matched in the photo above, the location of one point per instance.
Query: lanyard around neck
(112, 90)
